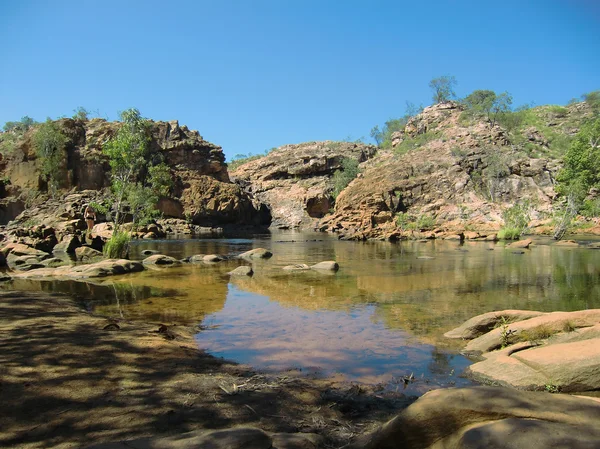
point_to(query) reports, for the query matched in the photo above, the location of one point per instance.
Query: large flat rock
(490, 417)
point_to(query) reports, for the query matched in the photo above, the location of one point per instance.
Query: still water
(379, 318)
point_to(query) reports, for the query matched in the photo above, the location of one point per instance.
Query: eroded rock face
(535, 351)
(295, 181)
(461, 176)
(203, 193)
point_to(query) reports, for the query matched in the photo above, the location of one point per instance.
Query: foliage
(383, 137)
(558, 111)
(581, 170)
(138, 176)
(411, 143)
(410, 222)
(21, 126)
(593, 100)
(443, 88)
(13, 132)
(81, 113)
(516, 220)
(541, 332)
(49, 143)
(486, 103)
(117, 246)
(343, 177)
(240, 158)
(507, 233)
(505, 332)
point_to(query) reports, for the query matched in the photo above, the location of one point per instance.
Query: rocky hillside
(446, 172)
(296, 181)
(202, 194)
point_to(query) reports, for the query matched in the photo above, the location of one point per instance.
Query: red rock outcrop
(295, 181)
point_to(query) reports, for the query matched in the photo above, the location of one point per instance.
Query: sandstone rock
(482, 324)
(212, 258)
(567, 367)
(567, 243)
(160, 259)
(328, 265)
(520, 244)
(242, 271)
(256, 253)
(295, 181)
(85, 253)
(297, 267)
(4, 277)
(54, 262)
(67, 245)
(18, 249)
(549, 323)
(490, 418)
(102, 268)
(197, 258)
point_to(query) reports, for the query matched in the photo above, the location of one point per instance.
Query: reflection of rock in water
(307, 290)
(174, 298)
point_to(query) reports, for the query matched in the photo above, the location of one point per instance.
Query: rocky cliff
(455, 173)
(203, 193)
(296, 181)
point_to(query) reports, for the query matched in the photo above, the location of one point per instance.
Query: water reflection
(382, 315)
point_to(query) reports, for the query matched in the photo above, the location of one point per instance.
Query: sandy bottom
(70, 379)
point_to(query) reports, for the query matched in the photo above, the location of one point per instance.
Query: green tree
(486, 103)
(443, 88)
(376, 135)
(581, 171)
(138, 176)
(49, 143)
(343, 177)
(593, 100)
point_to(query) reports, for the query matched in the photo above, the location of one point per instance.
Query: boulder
(18, 249)
(328, 265)
(160, 259)
(520, 244)
(212, 258)
(547, 323)
(566, 367)
(490, 418)
(196, 258)
(241, 271)
(567, 243)
(256, 253)
(482, 324)
(86, 253)
(107, 267)
(67, 245)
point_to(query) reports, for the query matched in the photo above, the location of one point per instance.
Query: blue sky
(251, 75)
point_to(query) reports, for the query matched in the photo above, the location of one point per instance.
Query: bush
(406, 221)
(117, 246)
(343, 177)
(411, 143)
(509, 234)
(49, 143)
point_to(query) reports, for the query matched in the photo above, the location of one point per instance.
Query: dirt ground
(70, 379)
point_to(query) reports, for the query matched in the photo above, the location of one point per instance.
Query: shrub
(536, 334)
(558, 111)
(411, 143)
(117, 246)
(343, 177)
(509, 234)
(49, 143)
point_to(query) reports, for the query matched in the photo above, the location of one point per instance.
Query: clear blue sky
(251, 75)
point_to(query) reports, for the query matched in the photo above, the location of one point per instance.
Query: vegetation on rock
(138, 176)
(344, 176)
(49, 143)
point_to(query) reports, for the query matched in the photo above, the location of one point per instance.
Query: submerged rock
(160, 259)
(256, 253)
(328, 265)
(297, 267)
(242, 271)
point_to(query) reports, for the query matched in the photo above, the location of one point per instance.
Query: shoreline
(72, 379)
